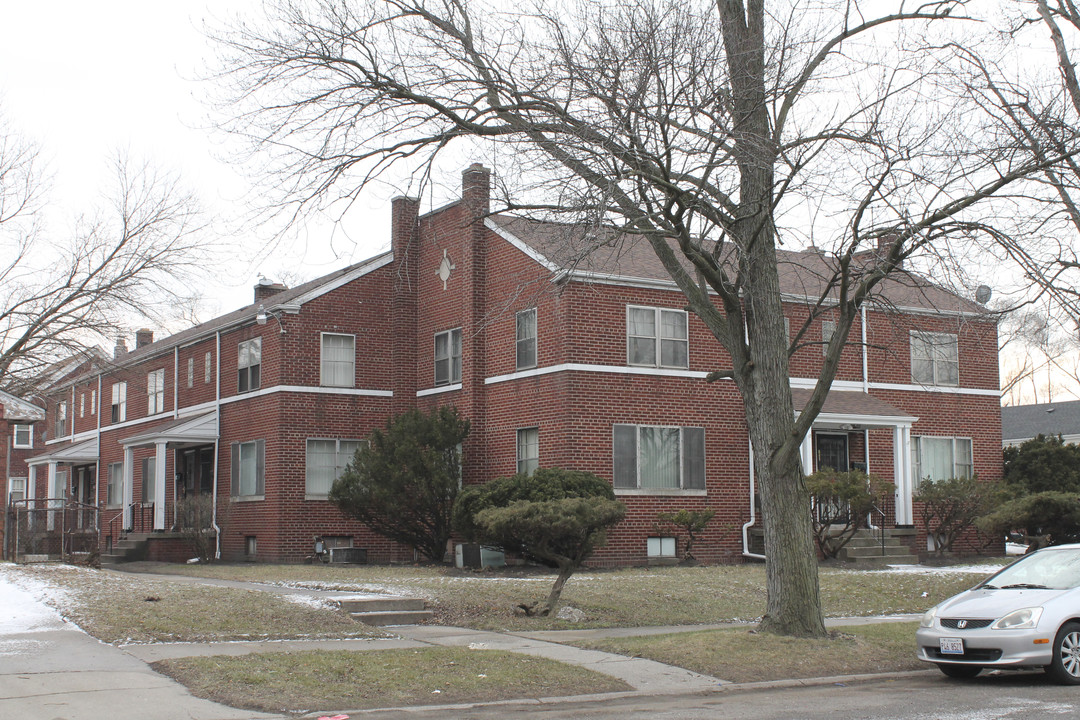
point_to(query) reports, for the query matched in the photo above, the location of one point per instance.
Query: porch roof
(71, 453)
(198, 429)
(854, 408)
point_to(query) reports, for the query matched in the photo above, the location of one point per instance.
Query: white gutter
(746, 526)
(217, 403)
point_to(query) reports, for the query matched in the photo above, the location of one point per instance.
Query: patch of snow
(309, 601)
(23, 599)
(944, 570)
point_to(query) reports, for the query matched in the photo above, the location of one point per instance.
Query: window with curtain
(119, 402)
(528, 450)
(155, 391)
(326, 460)
(526, 339)
(659, 457)
(114, 496)
(448, 357)
(148, 471)
(338, 366)
(941, 458)
(249, 364)
(247, 468)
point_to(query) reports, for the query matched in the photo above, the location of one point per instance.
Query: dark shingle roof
(598, 250)
(1021, 422)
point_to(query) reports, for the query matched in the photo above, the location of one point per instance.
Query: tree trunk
(552, 602)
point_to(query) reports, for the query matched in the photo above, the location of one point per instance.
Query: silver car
(1026, 615)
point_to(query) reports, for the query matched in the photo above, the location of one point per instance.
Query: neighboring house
(1023, 422)
(20, 428)
(557, 357)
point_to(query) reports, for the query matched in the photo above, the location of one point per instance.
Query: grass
(746, 656)
(122, 609)
(312, 681)
(617, 598)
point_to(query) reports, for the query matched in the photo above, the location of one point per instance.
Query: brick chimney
(405, 243)
(265, 288)
(476, 189)
(120, 350)
(143, 337)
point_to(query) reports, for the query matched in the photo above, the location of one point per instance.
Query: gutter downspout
(865, 362)
(217, 408)
(176, 383)
(746, 526)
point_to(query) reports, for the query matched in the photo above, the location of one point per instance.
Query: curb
(722, 687)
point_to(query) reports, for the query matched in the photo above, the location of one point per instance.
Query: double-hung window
(60, 426)
(248, 363)
(338, 365)
(115, 490)
(155, 392)
(119, 402)
(190, 371)
(526, 339)
(24, 435)
(326, 460)
(528, 450)
(941, 458)
(659, 457)
(657, 337)
(247, 468)
(935, 358)
(206, 368)
(448, 357)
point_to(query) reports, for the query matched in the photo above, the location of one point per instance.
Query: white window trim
(250, 342)
(308, 495)
(322, 360)
(451, 379)
(236, 468)
(681, 490)
(520, 459)
(934, 338)
(535, 340)
(117, 487)
(28, 428)
(828, 329)
(658, 337)
(916, 449)
(119, 401)
(155, 391)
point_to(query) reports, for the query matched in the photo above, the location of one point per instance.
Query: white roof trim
(85, 451)
(15, 408)
(370, 266)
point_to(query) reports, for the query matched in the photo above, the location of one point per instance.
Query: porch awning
(846, 407)
(198, 429)
(72, 453)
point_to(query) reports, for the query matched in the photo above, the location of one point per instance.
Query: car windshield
(1053, 569)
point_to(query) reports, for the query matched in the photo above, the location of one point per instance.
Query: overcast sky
(87, 80)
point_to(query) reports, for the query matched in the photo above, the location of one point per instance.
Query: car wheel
(1065, 667)
(955, 670)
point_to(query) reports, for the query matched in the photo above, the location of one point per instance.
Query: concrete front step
(380, 604)
(385, 610)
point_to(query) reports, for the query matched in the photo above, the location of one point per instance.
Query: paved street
(925, 696)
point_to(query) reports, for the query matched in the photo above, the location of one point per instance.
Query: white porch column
(129, 487)
(159, 486)
(902, 474)
(50, 519)
(806, 452)
(31, 484)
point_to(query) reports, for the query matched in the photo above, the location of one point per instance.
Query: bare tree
(714, 131)
(61, 296)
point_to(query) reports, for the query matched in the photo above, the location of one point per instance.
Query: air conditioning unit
(471, 555)
(351, 555)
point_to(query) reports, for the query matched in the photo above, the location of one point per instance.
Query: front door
(196, 471)
(832, 452)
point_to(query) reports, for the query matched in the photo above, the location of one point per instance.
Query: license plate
(951, 646)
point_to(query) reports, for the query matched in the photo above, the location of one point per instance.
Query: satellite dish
(982, 294)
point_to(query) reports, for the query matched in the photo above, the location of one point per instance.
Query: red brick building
(558, 358)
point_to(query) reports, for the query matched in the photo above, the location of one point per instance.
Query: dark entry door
(196, 474)
(832, 451)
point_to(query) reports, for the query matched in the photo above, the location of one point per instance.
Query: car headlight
(927, 620)
(1023, 619)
